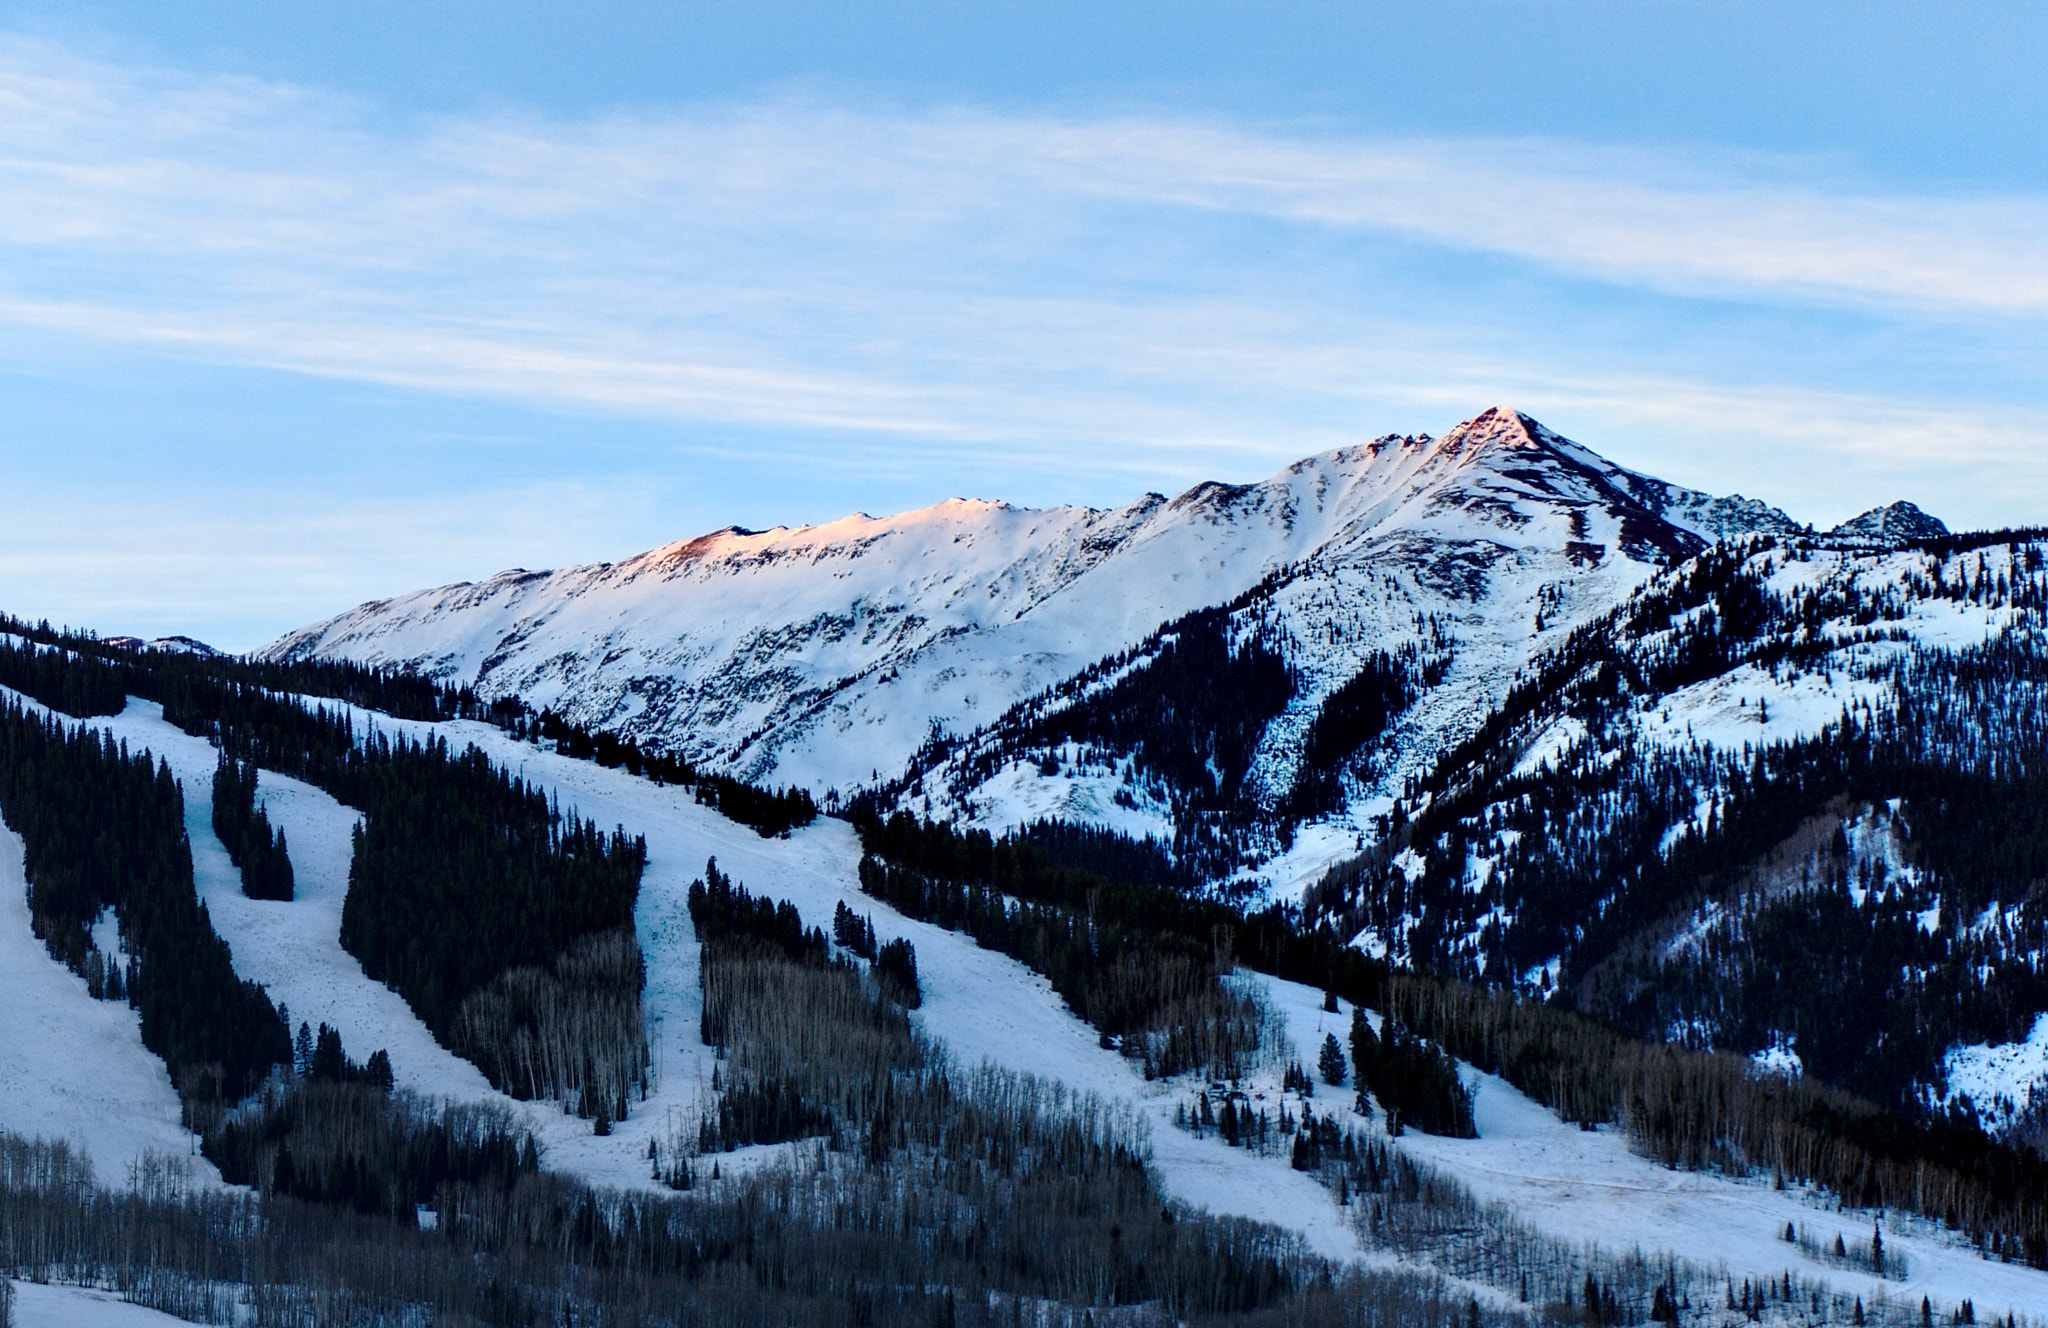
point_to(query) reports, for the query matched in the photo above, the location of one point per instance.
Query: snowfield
(983, 1006)
(828, 656)
(1567, 1183)
(1588, 1186)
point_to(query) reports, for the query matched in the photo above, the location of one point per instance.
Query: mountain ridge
(752, 652)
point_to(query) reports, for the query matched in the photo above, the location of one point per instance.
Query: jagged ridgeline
(103, 829)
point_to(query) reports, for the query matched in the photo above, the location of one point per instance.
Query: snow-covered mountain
(826, 655)
(1484, 707)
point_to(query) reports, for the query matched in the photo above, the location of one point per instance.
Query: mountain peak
(1497, 427)
(1897, 523)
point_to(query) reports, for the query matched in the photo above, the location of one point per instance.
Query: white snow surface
(75, 1068)
(981, 1005)
(2000, 1079)
(50, 1305)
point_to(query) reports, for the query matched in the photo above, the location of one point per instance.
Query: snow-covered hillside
(826, 655)
(1562, 1182)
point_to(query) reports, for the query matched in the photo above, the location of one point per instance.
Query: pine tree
(1331, 1061)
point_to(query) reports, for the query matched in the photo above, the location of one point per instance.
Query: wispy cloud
(1628, 216)
(845, 270)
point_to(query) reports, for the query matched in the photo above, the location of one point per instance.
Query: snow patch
(2000, 1080)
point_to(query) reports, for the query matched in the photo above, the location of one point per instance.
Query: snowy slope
(1874, 611)
(980, 1004)
(1580, 1186)
(1589, 1186)
(983, 1005)
(824, 655)
(1494, 544)
(2002, 1081)
(75, 1068)
(118, 1102)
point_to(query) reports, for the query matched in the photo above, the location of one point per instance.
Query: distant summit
(180, 644)
(1900, 523)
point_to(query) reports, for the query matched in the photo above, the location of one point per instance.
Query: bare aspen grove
(569, 1032)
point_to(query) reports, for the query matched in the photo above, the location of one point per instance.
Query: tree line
(479, 901)
(102, 675)
(1044, 1192)
(84, 677)
(80, 686)
(769, 812)
(337, 1139)
(727, 916)
(1156, 995)
(461, 872)
(1675, 1101)
(1697, 1110)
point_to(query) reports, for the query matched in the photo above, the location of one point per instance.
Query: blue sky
(305, 304)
